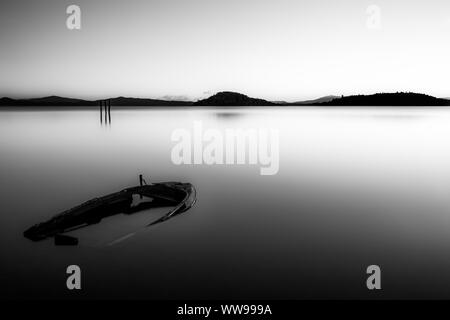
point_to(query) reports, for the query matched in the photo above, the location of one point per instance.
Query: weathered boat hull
(181, 196)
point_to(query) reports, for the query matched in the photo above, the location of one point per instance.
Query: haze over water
(355, 187)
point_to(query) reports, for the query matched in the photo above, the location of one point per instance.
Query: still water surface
(355, 187)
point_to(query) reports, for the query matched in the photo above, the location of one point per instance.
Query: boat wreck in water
(180, 196)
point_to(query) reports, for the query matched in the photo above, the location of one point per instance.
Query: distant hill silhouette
(388, 99)
(122, 101)
(55, 101)
(227, 98)
(47, 101)
(311, 102)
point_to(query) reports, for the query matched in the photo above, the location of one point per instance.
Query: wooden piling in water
(101, 113)
(106, 112)
(109, 110)
(106, 104)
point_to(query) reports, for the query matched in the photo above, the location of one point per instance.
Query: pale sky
(273, 49)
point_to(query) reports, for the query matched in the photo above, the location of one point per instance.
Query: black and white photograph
(225, 155)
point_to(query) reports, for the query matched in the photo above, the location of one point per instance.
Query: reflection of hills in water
(228, 115)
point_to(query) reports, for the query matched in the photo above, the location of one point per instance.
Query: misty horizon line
(184, 99)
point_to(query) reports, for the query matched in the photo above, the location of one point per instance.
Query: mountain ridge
(314, 101)
(388, 99)
(57, 101)
(229, 98)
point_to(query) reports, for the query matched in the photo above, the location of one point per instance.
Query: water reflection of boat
(180, 196)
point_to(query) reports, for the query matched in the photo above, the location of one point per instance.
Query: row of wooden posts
(105, 104)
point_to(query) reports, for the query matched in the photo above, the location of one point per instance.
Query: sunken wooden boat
(180, 196)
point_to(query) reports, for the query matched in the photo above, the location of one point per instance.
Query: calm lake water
(355, 187)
